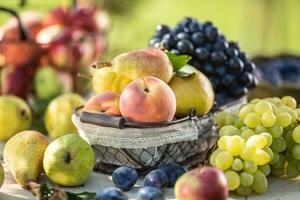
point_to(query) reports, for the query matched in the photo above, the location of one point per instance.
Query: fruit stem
(85, 76)
(99, 65)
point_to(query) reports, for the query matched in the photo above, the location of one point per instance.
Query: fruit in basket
(48, 34)
(227, 67)
(125, 177)
(59, 113)
(2, 175)
(156, 178)
(173, 172)
(46, 83)
(105, 79)
(69, 160)
(15, 116)
(110, 194)
(106, 102)
(16, 81)
(23, 155)
(148, 99)
(150, 193)
(194, 91)
(206, 183)
(141, 63)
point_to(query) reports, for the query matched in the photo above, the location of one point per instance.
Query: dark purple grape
(185, 47)
(198, 39)
(238, 91)
(195, 63)
(254, 83)
(249, 66)
(234, 45)
(162, 29)
(244, 57)
(232, 52)
(154, 40)
(202, 53)
(168, 41)
(228, 80)
(246, 78)
(209, 47)
(235, 65)
(194, 27)
(221, 45)
(207, 24)
(185, 22)
(211, 33)
(208, 68)
(220, 71)
(216, 82)
(218, 57)
(182, 36)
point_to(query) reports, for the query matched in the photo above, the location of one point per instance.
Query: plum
(125, 177)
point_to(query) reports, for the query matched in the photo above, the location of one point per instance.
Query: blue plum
(125, 177)
(150, 193)
(111, 194)
(156, 178)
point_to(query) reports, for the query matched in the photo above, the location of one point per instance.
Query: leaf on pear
(178, 61)
(184, 74)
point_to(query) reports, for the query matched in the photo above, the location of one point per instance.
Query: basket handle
(23, 31)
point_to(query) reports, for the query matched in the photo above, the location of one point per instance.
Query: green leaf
(81, 196)
(178, 61)
(184, 74)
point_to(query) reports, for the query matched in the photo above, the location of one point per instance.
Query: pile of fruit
(227, 67)
(262, 138)
(54, 49)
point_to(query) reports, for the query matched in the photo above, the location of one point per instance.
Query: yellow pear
(58, 117)
(15, 116)
(2, 175)
(194, 91)
(105, 79)
(23, 156)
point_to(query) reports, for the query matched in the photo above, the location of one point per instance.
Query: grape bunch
(227, 67)
(262, 138)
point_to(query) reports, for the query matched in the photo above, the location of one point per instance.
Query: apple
(106, 102)
(148, 99)
(60, 16)
(69, 160)
(206, 183)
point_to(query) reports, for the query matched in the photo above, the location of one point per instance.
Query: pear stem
(85, 76)
(99, 65)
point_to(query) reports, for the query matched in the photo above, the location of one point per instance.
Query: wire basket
(116, 142)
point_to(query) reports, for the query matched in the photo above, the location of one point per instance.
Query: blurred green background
(262, 27)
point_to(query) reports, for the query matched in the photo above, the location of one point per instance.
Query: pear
(141, 63)
(105, 79)
(194, 91)
(59, 113)
(23, 155)
(15, 116)
(2, 175)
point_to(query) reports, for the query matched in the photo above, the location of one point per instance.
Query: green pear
(194, 91)
(2, 175)
(59, 113)
(145, 62)
(23, 155)
(69, 160)
(15, 116)
(46, 83)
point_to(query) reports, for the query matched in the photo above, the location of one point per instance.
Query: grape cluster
(228, 68)
(262, 138)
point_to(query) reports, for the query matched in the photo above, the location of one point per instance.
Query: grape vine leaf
(178, 61)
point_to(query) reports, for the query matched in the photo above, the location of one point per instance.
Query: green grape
(229, 130)
(278, 144)
(213, 156)
(284, 119)
(245, 110)
(244, 191)
(292, 169)
(277, 172)
(276, 131)
(250, 166)
(263, 106)
(223, 160)
(273, 100)
(222, 142)
(266, 169)
(288, 110)
(260, 183)
(252, 120)
(261, 157)
(289, 101)
(296, 151)
(275, 158)
(237, 164)
(230, 119)
(298, 113)
(239, 123)
(255, 101)
(270, 152)
(296, 134)
(268, 137)
(246, 179)
(289, 155)
(235, 145)
(268, 119)
(248, 152)
(290, 142)
(220, 119)
(280, 163)
(233, 180)
(260, 128)
(258, 141)
(246, 133)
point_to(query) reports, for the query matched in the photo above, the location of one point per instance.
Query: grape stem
(85, 76)
(99, 65)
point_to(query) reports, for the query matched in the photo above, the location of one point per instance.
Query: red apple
(58, 16)
(106, 102)
(206, 183)
(148, 99)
